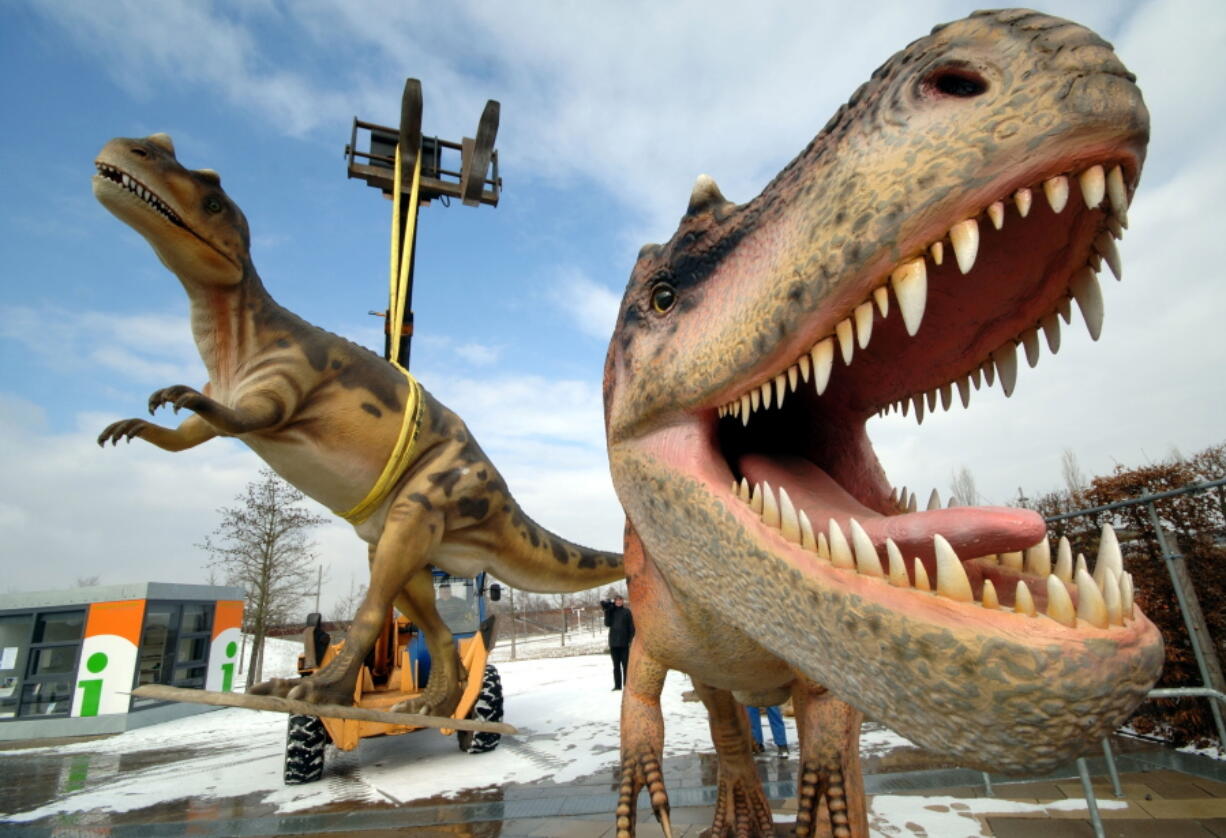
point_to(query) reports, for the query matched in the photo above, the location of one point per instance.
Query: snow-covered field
(567, 720)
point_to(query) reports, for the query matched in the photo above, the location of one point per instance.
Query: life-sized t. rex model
(346, 427)
(944, 216)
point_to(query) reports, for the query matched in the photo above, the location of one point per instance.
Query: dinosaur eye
(213, 204)
(958, 82)
(662, 297)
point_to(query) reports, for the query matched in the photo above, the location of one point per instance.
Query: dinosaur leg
(741, 808)
(444, 687)
(409, 534)
(831, 793)
(642, 735)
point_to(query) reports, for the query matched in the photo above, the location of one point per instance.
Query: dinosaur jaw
(788, 504)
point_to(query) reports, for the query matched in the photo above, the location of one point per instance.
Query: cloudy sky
(609, 111)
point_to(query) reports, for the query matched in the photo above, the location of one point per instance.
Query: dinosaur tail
(534, 559)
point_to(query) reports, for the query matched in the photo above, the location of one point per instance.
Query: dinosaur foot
(311, 689)
(432, 702)
(638, 771)
(741, 810)
(823, 805)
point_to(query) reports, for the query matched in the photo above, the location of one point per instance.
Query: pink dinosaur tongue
(971, 531)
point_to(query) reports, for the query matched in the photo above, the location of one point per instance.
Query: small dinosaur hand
(125, 429)
(180, 396)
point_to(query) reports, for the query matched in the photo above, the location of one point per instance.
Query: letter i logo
(92, 687)
(227, 669)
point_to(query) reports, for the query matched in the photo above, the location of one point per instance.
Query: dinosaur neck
(225, 323)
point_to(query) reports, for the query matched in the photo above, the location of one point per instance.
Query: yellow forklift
(396, 669)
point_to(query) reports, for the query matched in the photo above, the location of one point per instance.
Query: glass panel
(153, 644)
(53, 660)
(59, 627)
(196, 618)
(14, 635)
(454, 600)
(190, 676)
(192, 649)
(44, 698)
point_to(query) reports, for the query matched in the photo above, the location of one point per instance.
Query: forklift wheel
(304, 750)
(487, 709)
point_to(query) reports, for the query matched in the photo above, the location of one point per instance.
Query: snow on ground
(567, 718)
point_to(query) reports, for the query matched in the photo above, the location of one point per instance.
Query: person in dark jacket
(621, 631)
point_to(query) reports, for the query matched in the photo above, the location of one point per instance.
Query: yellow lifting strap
(401, 257)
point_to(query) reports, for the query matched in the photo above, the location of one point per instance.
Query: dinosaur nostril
(139, 152)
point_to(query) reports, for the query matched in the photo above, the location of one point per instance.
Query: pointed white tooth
(789, 523)
(770, 506)
(823, 546)
(1005, 358)
(807, 540)
(947, 395)
(1059, 603)
(767, 392)
(1065, 307)
(921, 577)
(793, 377)
(917, 401)
(910, 282)
(1080, 565)
(1013, 560)
(803, 363)
(1090, 604)
(989, 371)
(1051, 331)
(1056, 190)
(1023, 602)
(964, 236)
(126, 180)
(1022, 199)
(934, 500)
(867, 562)
(893, 496)
(1116, 227)
(964, 390)
(1117, 193)
(734, 487)
(755, 499)
(755, 399)
(1064, 560)
(912, 504)
(975, 377)
(847, 343)
(881, 295)
(1090, 300)
(823, 361)
(953, 502)
(931, 398)
(1111, 596)
(1093, 185)
(951, 577)
(996, 212)
(898, 568)
(1104, 243)
(937, 249)
(743, 490)
(1038, 558)
(840, 550)
(1030, 342)
(989, 596)
(1109, 559)
(746, 409)
(735, 409)
(864, 323)
(781, 389)
(904, 406)
(1126, 596)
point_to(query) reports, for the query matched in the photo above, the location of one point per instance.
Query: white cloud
(590, 306)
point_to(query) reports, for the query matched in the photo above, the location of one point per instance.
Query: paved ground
(1166, 794)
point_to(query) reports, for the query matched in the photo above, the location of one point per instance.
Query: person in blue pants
(775, 717)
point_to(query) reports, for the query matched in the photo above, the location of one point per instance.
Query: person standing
(775, 716)
(621, 631)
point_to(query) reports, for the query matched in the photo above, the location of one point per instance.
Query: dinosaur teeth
(1022, 199)
(1109, 560)
(867, 562)
(1089, 297)
(1023, 602)
(952, 581)
(1064, 560)
(1104, 244)
(822, 355)
(996, 213)
(840, 550)
(846, 340)
(1056, 191)
(1093, 186)
(964, 236)
(910, 283)
(864, 324)
(1059, 603)
(898, 568)
(1091, 606)
(1038, 558)
(1117, 194)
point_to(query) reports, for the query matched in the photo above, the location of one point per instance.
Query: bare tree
(962, 487)
(1074, 480)
(88, 581)
(347, 606)
(262, 546)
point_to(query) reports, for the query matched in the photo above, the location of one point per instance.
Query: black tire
(305, 742)
(487, 709)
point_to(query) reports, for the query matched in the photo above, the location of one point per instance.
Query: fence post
(1194, 619)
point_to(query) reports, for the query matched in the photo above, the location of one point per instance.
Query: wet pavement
(1166, 794)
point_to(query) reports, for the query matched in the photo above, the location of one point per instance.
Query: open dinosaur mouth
(948, 319)
(141, 191)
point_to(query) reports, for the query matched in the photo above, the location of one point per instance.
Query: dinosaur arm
(255, 411)
(189, 434)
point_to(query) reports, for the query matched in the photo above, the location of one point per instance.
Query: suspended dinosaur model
(346, 427)
(944, 217)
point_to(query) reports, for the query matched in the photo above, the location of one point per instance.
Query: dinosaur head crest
(192, 225)
(943, 222)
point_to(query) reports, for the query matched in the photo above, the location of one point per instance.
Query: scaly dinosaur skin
(925, 232)
(325, 414)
